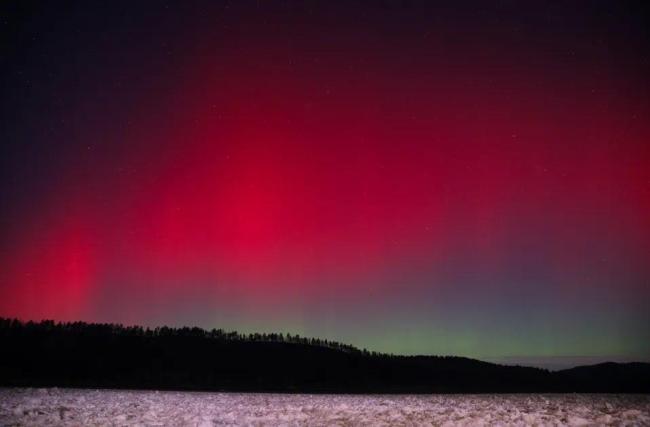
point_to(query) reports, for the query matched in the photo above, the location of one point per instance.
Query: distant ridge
(91, 355)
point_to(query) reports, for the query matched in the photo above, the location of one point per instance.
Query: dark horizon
(81, 355)
(550, 364)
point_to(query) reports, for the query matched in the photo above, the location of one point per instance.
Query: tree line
(93, 355)
(116, 329)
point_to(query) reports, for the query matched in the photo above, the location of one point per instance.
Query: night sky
(470, 178)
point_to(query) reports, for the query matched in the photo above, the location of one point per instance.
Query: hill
(112, 356)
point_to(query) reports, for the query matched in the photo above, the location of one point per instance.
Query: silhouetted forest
(79, 354)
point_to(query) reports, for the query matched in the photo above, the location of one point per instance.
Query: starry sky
(457, 178)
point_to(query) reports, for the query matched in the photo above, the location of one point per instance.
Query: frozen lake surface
(45, 407)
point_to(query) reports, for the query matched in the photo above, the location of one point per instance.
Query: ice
(73, 407)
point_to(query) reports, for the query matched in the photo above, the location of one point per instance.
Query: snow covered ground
(45, 407)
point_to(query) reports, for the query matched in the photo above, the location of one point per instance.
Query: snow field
(73, 407)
